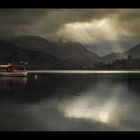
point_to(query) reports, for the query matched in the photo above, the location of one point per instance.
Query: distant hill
(113, 56)
(32, 43)
(134, 51)
(69, 52)
(43, 54)
(62, 50)
(11, 53)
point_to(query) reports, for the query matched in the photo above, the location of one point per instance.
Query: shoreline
(84, 71)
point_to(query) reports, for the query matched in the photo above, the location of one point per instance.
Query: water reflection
(71, 102)
(92, 108)
(106, 107)
(10, 83)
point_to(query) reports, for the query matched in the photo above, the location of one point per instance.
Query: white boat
(11, 70)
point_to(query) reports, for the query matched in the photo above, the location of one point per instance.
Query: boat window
(20, 68)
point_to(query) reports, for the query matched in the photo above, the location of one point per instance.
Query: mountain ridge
(133, 51)
(56, 55)
(66, 50)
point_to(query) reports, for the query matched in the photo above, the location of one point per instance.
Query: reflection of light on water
(94, 115)
(104, 116)
(93, 108)
(85, 108)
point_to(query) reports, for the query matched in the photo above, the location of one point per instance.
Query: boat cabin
(11, 68)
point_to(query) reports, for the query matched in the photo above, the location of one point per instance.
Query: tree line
(119, 64)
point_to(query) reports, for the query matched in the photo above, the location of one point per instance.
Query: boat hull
(14, 74)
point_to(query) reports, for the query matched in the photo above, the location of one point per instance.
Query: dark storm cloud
(18, 21)
(44, 20)
(14, 17)
(53, 19)
(73, 24)
(49, 20)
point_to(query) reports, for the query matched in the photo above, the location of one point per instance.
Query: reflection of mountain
(72, 102)
(133, 82)
(61, 85)
(12, 82)
(47, 86)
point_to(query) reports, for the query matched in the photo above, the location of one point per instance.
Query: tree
(129, 57)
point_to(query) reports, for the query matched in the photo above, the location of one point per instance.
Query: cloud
(83, 25)
(51, 20)
(47, 20)
(92, 32)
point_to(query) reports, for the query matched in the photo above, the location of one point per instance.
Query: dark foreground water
(70, 102)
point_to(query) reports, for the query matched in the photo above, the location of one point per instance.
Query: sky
(100, 30)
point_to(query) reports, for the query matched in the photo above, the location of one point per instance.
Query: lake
(70, 101)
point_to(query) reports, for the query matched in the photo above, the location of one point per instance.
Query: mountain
(113, 56)
(134, 51)
(32, 43)
(11, 53)
(43, 54)
(73, 53)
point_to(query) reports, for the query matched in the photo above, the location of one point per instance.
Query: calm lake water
(70, 101)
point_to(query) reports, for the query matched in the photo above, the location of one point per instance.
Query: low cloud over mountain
(118, 29)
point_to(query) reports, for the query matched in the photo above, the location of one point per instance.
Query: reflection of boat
(13, 70)
(12, 82)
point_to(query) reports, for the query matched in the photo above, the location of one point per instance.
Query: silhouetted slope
(72, 52)
(42, 54)
(11, 53)
(113, 56)
(134, 51)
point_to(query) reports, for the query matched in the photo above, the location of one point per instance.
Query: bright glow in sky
(91, 32)
(101, 30)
